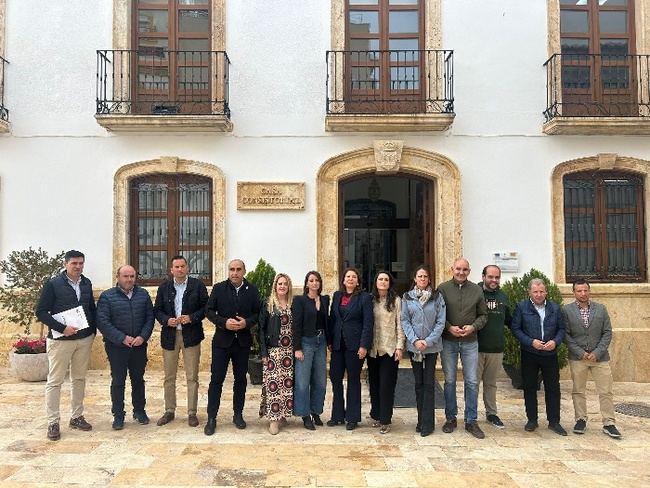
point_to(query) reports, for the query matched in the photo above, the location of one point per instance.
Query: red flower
(29, 346)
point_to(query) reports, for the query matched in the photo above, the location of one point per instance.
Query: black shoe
(531, 426)
(165, 419)
(118, 422)
(210, 426)
(351, 426)
(418, 428)
(53, 431)
(426, 432)
(612, 431)
(239, 421)
(450, 426)
(334, 423)
(80, 423)
(557, 428)
(308, 423)
(580, 427)
(495, 421)
(141, 417)
(316, 419)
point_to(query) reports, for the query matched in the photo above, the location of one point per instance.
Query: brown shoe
(475, 430)
(450, 426)
(53, 432)
(165, 419)
(192, 420)
(80, 423)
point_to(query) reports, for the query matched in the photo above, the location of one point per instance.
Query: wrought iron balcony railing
(597, 85)
(390, 81)
(156, 81)
(4, 112)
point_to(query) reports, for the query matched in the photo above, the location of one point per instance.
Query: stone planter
(29, 367)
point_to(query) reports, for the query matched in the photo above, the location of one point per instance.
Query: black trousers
(221, 356)
(382, 378)
(424, 373)
(531, 364)
(343, 361)
(123, 360)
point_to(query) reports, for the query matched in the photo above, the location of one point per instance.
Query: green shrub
(262, 277)
(25, 274)
(517, 290)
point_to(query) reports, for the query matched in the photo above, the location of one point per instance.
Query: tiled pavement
(178, 455)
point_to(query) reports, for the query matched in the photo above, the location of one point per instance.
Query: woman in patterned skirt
(276, 346)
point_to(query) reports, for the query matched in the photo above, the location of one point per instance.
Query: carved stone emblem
(388, 155)
(607, 160)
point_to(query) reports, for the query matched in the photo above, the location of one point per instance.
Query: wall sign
(270, 196)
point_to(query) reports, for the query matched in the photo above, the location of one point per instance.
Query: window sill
(388, 122)
(588, 126)
(4, 127)
(609, 289)
(165, 123)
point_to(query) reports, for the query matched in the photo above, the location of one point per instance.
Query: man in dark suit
(180, 310)
(234, 307)
(588, 335)
(539, 326)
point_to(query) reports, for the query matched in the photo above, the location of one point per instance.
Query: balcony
(155, 89)
(391, 91)
(590, 94)
(4, 112)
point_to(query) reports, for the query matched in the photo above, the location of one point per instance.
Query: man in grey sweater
(588, 335)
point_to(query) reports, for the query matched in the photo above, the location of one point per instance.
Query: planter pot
(255, 370)
(514, 373)
(29, 367)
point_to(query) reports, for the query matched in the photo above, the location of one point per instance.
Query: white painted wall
(57, 165)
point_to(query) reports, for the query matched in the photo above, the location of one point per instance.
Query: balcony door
(387, 224)
(172, 59)
(384, 43)
(599, 72)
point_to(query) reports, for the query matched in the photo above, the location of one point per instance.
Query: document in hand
(75, 317)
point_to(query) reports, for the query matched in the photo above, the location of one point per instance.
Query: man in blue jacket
(125, 318)
(71, 350)
(538, 325)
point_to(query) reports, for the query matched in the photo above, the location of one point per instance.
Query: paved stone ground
(178, 455)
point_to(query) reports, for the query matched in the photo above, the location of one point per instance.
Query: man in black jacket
(180, 309)
(234, 307)
(71, 349)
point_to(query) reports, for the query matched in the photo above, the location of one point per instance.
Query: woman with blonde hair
(276, 347)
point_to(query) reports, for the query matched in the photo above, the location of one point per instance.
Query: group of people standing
(458, 320)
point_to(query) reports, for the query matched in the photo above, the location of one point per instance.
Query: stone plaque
(270, 196)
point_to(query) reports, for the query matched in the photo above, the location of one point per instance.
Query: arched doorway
(386, 225)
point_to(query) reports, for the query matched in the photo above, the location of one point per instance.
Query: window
(599, 69)
(171, 214)
(604, 232)
(173, 61)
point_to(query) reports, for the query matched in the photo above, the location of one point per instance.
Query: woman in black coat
(349, 338)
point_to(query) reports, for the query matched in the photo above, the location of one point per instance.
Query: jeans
(468, 352)
(311, 377)
(123, 360)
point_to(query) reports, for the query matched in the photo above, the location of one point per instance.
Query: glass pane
(152, 231)
(152, 265)
(193, 79)
(575, 46)
(365, 78)
(404, 78)
(610, 3)
(152, 49)
(194, 231)
(363, 2)
(578, 228)
(193, 45)
(407, 46)
(198, 262)
(193, 2)
(615, 77)
(195, 197)
(399, 22)
(574, 21)
(155, 2)
(613, 22)
(580, 261)
(152, 197)
(573, 2)
(153, 21)
(613, 47)
(193, 21)
(578, 194)
(153, 78)
(576, 77)
(364, 22)
(622, 261)
(403, 2)
(364, 44)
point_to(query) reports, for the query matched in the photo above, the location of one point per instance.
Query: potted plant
(517, 290)
(25, 274)
(262, 277)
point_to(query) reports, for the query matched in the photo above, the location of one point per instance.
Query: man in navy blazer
(538, 325)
